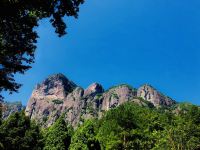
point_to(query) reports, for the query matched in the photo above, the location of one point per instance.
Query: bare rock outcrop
(93, 89)
(11, 107)
(150, 94)
(53, 97)
(58, 95)
(117, 95)
(55, 87)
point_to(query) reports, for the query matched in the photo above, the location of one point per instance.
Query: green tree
(18, 19)
(130, 126)
(18, 133)
(116, 126)
(182, 131)
(1, 111)
(1, 106)
(84, 137)
(58, 136)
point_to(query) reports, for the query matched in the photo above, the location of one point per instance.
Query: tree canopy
(18, 132)
(58, 136)
(18, 37)
(85, 137)
(127, 126)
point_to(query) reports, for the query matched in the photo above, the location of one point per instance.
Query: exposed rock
(150, 94)
(117, 95)
(10, 108)
(93, 89)
(58, 95)
(55, 87)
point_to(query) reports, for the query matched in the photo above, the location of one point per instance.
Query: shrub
(57, 101)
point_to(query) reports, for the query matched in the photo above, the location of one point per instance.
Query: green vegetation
(1, 106)
(44, 119)
(19, 133)
(58, 136)
(121, 85)
(85, 138)
(90, 109)
(18, 37)
(57, 101)
(149, 104)
(114, 95)
(98, 96)
(128, 126)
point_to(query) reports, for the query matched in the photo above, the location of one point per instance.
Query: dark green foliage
(133, 127)
(84, 137)
(90, 109)
(121, 85)
(1, 145)
(58, 136)
(44, 119)
(149, 104)
(98, 96)
(128, 126)
(18, 133)
(57, 101)
(1, 107)
(18, 38)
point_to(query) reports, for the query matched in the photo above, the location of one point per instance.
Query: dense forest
(128, 126)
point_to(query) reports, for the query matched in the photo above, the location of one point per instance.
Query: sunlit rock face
(117, 95)
(57, 95)
(54, 96)
(56, 86)
(93, 89)
(150, 94)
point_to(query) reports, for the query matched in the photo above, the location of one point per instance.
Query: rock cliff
(147, 92)
(11, 107)
(58, 95)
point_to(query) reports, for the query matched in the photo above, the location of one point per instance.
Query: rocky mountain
(58, 95)
(150, 94)
(11, 107)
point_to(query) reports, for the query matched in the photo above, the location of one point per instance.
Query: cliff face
(58, 95)
(150, 94)
(11, 107)
(51, 98)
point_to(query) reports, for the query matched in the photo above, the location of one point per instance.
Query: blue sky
(129, 41)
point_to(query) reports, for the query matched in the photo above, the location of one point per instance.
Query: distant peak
(147, 85)
(56, 85)
(58, 76)
(94, 88)
(122, 86)
(151, 94)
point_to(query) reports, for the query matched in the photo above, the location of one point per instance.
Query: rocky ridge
(11, 107)
(57, 95)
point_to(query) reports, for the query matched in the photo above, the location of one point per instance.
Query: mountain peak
(93, 89)
(57, 95)
(56, 85)
(149, 93)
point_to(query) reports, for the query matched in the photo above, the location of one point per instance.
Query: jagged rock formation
(11, 107)
(150, 94)
(58, 95)
(54, 87)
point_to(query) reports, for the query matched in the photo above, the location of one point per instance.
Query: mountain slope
(57, 95)
(11, 107)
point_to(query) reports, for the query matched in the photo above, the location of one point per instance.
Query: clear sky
(124, 41)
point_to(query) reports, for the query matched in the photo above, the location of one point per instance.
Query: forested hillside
(128, 126)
